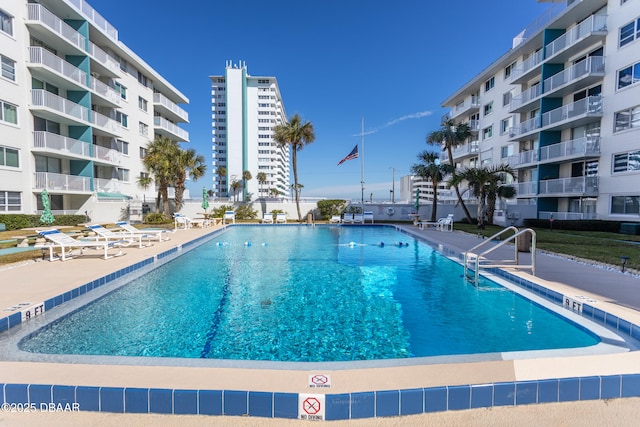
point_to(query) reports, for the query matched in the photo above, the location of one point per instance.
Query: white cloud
(390, 123)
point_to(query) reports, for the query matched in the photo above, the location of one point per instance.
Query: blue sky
(336, 61)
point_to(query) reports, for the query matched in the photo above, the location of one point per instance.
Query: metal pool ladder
(475, 261)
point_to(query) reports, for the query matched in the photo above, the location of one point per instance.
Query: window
(122, 90)
(142, 79)
(626, 162)
(6, 22)
(222, 104)
(123, 146)
(627, 119)
(9, 157)
(508, 69)
(143, 129)
(628, 76)
(142, 104)
(143, 152)
(506, 151)
(625, 205)
(10, 201)
(123, 174)
(489, 84)
(487, 132)
(629, 32)
(505, 124)
(8, 68)
(122, 118)
(488, 108)
(8, 112)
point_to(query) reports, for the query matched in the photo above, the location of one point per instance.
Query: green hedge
(575, 225)
(18, 221)
(328, 208)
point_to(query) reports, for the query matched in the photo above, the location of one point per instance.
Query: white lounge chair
(368, 216)
(125, 238)
(335, 219)
(347, 218)
(59, 240)
(281, 218)
(158, 234)
(267, 218)
(358, 219)
(229, 216)
(446, 224)
(181, 221)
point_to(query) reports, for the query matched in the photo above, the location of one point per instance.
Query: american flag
(352, 155)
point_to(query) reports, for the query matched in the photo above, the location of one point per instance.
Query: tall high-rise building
(244, 111)
(78, 108)
(562, 107)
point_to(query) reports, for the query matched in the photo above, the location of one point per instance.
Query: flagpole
(362, 167)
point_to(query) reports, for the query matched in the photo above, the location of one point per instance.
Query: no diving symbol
(311, 405)
(319, 379)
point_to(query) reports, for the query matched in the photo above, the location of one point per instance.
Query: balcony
(42, 23)
(67, 147)
(108, 185)
(164, 127)
(58, 108)
(466, 150)
(528, 68)
(580, 148)
(474, 125)
(470, 105)
(526, 189)
(523, 159)
(521, 102)
(577, 186)
(97, 19)
(579, 37)
(107, 155)
(105, 92)
(583, 74)
(106, 124)
(57, 182)
(571, 115)
(103, 63)
(168, 108)
(567, 216)
(57, 70)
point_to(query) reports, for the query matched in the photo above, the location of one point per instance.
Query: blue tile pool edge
(344, 406)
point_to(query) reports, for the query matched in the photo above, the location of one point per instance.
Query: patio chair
(347, 218)
(157, 234)
(267, 218)
(59, 240)
(446, 224)
(181, 221)
(358, 219)
(368, 216)
(335, 219)
(229, 216)
(281, 218)
(125, 238)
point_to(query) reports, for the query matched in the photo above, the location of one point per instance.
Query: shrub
(246, 211)
(156, 218)
(18, 221)
(275, 212)
(328, 208)
(575, 225)
(219, 212)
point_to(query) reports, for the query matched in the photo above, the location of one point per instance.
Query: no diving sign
(311, 407)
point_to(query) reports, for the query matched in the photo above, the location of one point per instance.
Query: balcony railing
(37, 12)
(472, 147)
(585, 28)
(107, 154)
(474, 125)
(162, 123)
(524, 189)
(523, 158)
(591, 104)
(104, 58)
(160, 99)
(567, 216)
(581, 185)
(105, 91)
(97, 19)
(468, 104)
(591, 65)
(62, 182)
(528, 64)
(42, 98)
(41, 56)
(586, 146)
(108, 185)
(105, 123)
(525, 97)
(61, 143)
(540, 22)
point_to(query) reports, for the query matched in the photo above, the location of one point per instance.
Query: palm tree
(159, 161)
(297, 135)
(145, 182)
(246, 176)
(221, 171)
(262, 178)
(187, 164)
(235, 186)
(479, 180)
(452, 134)
(431, 169)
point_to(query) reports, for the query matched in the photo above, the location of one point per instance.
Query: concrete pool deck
(614, 292)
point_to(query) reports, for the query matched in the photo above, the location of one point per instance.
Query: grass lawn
(596, 246)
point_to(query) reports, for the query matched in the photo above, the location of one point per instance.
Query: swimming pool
(308, 294)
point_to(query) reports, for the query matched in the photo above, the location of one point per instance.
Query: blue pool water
(308, 294)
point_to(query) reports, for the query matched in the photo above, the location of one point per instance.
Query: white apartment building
(78, 109)
(244, 111)
(562, 107)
